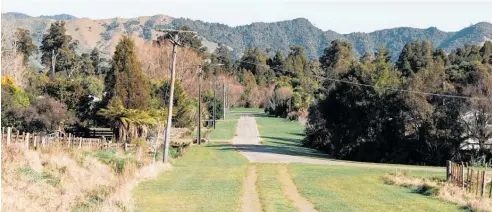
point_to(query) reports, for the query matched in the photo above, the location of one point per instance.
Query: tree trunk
(53, 62)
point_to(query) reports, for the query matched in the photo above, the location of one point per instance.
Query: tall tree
(126, 80)
(277, 64)
(337, 58)
(58, 48)
(255, 61)
(414, 57)
(223, 57)
(486, 52)
(25, 44)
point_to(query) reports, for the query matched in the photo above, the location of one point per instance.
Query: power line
(367, 85)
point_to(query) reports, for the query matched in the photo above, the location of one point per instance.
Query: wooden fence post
(17, 137)
(9, 132)
(490, 193)
(478, 182)
(35, 140)
(27, 141)
(80, 142)
(462, 175)
(482, 191)
(69, 140)
(470, 187)
(448, 170)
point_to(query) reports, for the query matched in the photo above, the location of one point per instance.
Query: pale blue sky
(340, 16)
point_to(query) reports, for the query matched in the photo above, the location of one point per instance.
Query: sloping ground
(276, 35)
(68, 180)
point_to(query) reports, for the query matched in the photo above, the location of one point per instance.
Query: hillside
(105, 33)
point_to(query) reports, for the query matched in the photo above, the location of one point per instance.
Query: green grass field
(211, 177)
(270, 189)
(246, 110)
(225, 129)
(338, 188)
(283, 134)
(207, 178)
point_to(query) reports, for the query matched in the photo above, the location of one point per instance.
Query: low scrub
(440, 189)
(58, 179)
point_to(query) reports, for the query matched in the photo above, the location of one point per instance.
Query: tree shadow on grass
(281, 150)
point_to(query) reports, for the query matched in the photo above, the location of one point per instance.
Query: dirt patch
(290, 190)
(251, 200)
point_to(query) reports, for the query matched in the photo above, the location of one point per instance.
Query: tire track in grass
(251, 200)
(270, 189)
(290, 190)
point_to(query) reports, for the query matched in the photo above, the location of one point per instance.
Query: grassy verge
(286, 136)
(247, 110)
(225, 129)
(270, 189)
(207, 178)
(338, 188)
(438, 188)
(283, 134)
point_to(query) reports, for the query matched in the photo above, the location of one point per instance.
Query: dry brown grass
(441, 190)
(58, 179)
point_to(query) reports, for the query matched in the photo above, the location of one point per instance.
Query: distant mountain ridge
(105, 33)
(14, 15)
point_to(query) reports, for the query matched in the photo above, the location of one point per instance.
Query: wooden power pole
(199, 107)
(174, 39)
(224, 100)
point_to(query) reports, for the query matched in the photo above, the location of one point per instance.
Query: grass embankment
(60, 179)
(207, 178)
(438, 188)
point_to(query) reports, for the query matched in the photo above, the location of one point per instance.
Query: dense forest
(419, 109)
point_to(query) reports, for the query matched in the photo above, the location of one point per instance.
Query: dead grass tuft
(441, 190)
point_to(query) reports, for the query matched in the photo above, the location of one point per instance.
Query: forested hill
(276, 35)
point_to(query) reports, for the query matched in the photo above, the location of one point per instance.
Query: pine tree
(126, 79)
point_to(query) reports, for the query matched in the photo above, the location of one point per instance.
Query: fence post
(35, 141)
(125, 147)
(478, 182)
(9, 132)
(17, 137)
(490, 193)
(448, 170)
(482, 191)
(80, 142)
(470, 178)
(27, 141)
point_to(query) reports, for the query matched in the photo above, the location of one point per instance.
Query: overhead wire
(367, 85)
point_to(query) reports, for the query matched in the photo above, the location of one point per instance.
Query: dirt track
(247, 142)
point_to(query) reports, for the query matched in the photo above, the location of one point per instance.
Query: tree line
(419, 109)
